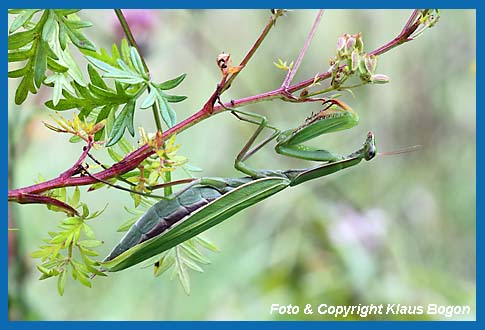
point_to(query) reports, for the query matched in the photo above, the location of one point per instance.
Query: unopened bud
(341, 43)
(370, 63)
(359, 43)
(349, 46)
(379, 78)
(355, 60)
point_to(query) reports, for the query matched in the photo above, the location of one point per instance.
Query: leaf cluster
(74, 235)
(43, 45)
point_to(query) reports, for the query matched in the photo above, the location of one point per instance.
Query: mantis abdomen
(163, 215)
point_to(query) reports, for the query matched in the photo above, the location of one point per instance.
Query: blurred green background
(399, 229)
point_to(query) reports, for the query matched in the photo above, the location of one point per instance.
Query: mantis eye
(371, 153)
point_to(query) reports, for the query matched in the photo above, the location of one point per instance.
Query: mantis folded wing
(209, 201)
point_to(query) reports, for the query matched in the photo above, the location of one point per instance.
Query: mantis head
(369, 148)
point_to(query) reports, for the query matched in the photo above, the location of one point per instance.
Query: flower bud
(359, 43)
(370, 63)
(355, 60)
(349, 46)
(341, 43)
(379, 78)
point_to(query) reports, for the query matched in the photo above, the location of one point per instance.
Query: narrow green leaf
(166, 111)
(193, 265)
(23, 89)
(49, 28)
(39, 254)
(21, 19)
(40, 63)
(88, 231)
(175, 98)
(124, 120)
(164, 264)
(61, 282)
(95, 78)
(18, 73)
(125, 50)
(76, 196)
(149, 100)
(206, 243)
(169, 84)
(115, 53)
(194, 254)
(101, 65)
(137, 62)
(56, 66)
(103, 113)
(114, 155)
(126, 225)
(91, 243)
(75, 139)
(20, 39)
(20, 55)
(183, 277)
(62, 36)
(80, 39)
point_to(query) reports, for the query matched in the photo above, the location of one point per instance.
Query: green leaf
(170, 84)
(124, 120)
(90, 243)
(126, 225)
(149, 100)
(23, 89)
(75, 139)
(124, 75)
(206, 243)
(88, 231)
(49, 28)
(95, 78)
(24, 17)
(20, 55)
(164, 264)
(193, 265)
(76, 196)
(56, 66)
(137, 62)
(175, 98)
(61, 282)
(103, 114)
(166, 111)
(78, 38)
(183, 276)
(40, 63)
(21, 39)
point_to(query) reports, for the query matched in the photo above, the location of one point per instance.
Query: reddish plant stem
(251, 52)
(132, 160)
(26, 198)
(75, 168)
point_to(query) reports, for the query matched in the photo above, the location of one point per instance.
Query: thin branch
(132, 160)
(129, 35)
(257, 43)
(75, 168)
(26, 198)
(294, 69)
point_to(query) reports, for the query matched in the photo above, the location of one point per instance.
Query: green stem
(129, 35)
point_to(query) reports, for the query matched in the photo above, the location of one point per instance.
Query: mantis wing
(199, 221)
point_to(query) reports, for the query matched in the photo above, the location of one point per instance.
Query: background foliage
(400, 229)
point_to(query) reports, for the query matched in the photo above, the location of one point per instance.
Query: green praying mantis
(207, 202)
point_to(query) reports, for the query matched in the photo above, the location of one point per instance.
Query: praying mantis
(209, 201)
